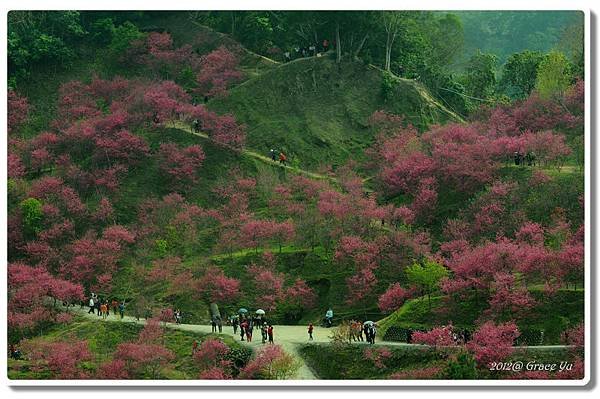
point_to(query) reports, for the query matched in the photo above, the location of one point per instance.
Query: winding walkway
(290, 338)
(179, 125)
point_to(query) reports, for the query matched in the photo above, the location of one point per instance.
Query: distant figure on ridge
(273, 154)
(282, 158)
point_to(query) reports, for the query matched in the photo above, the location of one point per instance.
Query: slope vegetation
(317, 111)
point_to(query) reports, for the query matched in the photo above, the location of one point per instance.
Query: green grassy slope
(103, 338)
(185, 30)
(317, 111)
(338, 362)
(316, 268)
(552, 314)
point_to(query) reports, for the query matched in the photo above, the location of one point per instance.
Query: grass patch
(337, 362)
(552, 314)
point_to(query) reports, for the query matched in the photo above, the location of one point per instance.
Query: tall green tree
(519, 74)
(447, 38)
(31, 212)
(553, 75)
(41, 38)
(426, 276)
(392, 23)
(572, 44)
(480, 76)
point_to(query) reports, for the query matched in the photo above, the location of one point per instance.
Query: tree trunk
(360, 46)
(388, 50)
(338, 45)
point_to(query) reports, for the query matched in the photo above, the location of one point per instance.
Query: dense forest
(421, 171)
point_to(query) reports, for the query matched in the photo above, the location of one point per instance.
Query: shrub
(462, 367)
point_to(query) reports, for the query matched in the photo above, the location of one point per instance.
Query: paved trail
(288, 337)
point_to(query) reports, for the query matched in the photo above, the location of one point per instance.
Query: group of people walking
(275, 157)
(528, 158)
(216, 323)
(311, 50)
(247, 325)
(357, 329)
(102, 307)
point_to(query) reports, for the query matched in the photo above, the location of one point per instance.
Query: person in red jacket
(270, 333)
(282, 158)
(310, 331)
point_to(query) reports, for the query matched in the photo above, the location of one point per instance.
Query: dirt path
(188, 129)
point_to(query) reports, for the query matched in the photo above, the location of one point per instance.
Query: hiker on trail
(194, 347)
(98, 302)
(313, 50)
(325, 45)
(263, 331)
(196, 126)
(328, 317)
(360, 331)
(92, 305)
(122, 309)
(249, 330)
(219, 324)
(270, 333)
(282, 158)
(156, 119)
(243, 326)
(310, 331)
(104, 310)
(273, 155)
(115, 305)
(213, 323)
(287, 57)
(14, 352)
(370, 332)
(517, 157)
(178, 316)
(373, 333)
(235, 322)
(530, 159)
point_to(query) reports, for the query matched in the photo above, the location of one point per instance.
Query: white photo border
(507, 5)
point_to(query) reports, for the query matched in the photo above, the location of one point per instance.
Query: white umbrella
(260, 311)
